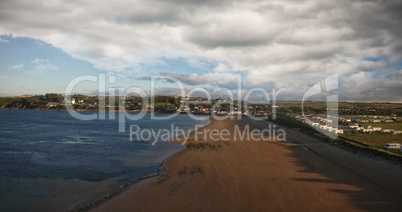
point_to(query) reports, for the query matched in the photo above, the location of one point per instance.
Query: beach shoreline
(257, 175)
(130, 181)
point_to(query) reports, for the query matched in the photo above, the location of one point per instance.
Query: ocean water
(49, 145)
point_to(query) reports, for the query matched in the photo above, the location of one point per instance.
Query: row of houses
(331, 129)
(355, 127)
(368, 119)
(327, 123)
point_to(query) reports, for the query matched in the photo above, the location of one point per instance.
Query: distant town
(373, 124)
(159, 104)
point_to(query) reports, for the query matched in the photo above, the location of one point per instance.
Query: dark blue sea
(38, 148)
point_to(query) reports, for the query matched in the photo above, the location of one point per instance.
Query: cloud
(221, 68)
(195, 79)
(42, 67)
(270, 42)
(208, 78)
(205, 93)
(365, 86)
(16, 67)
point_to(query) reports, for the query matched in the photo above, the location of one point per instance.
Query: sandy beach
(299, 174)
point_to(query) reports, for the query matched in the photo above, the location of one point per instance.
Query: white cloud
(42, 67)
(221, 68)
(272, 42)
(16, 67)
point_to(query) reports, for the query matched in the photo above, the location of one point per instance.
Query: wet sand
(299, 174)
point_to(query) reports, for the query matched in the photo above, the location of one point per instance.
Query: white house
(355, 125)
(387, 130)
(392, 146)
(323, 127)
(396, 132)
(376, 129)
(366, 130)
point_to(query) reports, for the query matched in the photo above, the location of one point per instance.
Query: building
(354, 125)
(395, 132)
(337, 131)
(67, 102)
(387, 130)
(376, 129)
(52, 104)
(392, 146)
(364, 130)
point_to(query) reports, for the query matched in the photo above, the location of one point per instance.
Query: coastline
(129, 182)
(43, 189)
(107, 111)
(86, 110)
(216, 176)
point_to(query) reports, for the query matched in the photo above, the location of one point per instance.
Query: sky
(206, 44)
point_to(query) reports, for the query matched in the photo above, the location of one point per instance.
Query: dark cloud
(273, 42)
(195, 79)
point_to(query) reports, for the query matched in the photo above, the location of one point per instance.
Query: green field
(323, 105)
(376, 140)
(4, 101)
(345, 108)
(162, 104)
